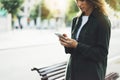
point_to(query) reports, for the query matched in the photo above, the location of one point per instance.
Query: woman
(88, 47)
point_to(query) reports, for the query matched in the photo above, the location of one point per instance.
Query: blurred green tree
(72, 9)
(1, 4)
(115, 4)
(11, 5)
(44, 11)
(34, 12)
(40, 10)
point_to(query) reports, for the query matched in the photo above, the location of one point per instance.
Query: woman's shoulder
(104, 22)
(99, 15)
(101, 19)
(74, 18)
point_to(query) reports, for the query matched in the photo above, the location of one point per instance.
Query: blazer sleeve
(99, 51)
(69, 50)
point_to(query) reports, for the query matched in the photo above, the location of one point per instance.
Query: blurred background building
(48, 14)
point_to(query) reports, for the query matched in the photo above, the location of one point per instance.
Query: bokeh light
(60, 5)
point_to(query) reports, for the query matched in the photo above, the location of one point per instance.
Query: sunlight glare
(57, 5)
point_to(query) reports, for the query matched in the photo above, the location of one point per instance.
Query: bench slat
(57, 76)
(52, 70)
(52, 66)
(112, 76)
(56, 73)
(53, 77)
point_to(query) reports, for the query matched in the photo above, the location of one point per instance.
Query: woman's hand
(67, 42)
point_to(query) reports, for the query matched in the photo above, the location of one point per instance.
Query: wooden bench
(57, 72)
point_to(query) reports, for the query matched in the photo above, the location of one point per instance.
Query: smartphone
(59, 35)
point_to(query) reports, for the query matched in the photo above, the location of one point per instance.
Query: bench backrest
(57, 72)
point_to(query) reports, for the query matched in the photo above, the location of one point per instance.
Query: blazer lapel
(76, 27)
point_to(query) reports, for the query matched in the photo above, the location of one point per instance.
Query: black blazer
(88, 60)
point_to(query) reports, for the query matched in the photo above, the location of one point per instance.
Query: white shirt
(84, 21)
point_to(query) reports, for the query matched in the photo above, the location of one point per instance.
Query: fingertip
(65, 35)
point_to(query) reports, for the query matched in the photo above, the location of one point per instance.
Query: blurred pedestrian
(88, 47)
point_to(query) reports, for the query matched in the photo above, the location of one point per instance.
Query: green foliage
(115, 4)
(72, 7)
(3, 12)
(11, 5)
(0, 4)
(72, 10)
(34, 12)
(40, 9)
(45, 13)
